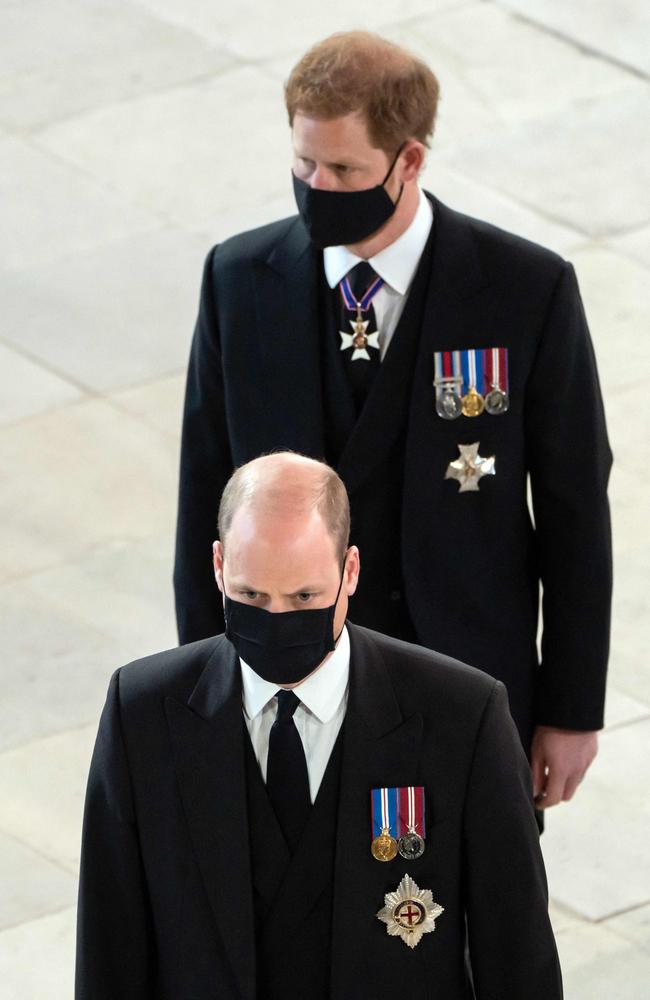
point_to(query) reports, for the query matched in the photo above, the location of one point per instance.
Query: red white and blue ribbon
(384, 804)
(364, 302)
(398, 810)
(480, 368)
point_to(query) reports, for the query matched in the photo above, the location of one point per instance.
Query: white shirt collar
(396, 263)
(321, 693)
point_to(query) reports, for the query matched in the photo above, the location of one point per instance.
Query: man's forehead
(260, 525)
(339, 135)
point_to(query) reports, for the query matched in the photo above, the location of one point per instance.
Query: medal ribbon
(384, 805)
(367, 297)
(445, 371)
(472, 366)
(411, 810)
(495, 362)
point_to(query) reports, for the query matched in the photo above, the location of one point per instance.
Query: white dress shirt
(318, 718)
(396, 264)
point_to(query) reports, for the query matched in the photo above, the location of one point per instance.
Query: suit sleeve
(511, 943)
(114, 939)
(569, 460)
(205, 467)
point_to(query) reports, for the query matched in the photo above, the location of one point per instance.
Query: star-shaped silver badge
(470, 467)
(410, 912)
(359, 339)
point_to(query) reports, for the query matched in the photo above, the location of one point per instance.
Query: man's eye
(304, 597)
(250, 595)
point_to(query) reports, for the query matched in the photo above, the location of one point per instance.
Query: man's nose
(322, 179)
(277, 604)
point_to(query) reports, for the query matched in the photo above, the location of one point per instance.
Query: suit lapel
(380, 748)
(286, 296)
(207, 737)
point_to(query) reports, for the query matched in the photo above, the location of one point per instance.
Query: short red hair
(396, 92)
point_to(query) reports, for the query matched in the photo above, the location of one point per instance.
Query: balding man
(302, 807)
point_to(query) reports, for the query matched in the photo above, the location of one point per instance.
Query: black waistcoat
(377, 438)
(293, 954)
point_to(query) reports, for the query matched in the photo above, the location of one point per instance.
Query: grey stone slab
(635, 244)
(621, 709)
(124, 592)
(599, 965)
(43, 788)
(254, 29)
(78, 478)
(616, 293)
(619, 29)
(27, 388)
(55, 673)
(32, 885)
(586, 166)
(561, 918)
(61, 57)
(505, 67)
(595, 846)
(473, 198)
(191, 152)
(50, 209)
(629, 670)
(119, 314)
(66, 630)
(159, 403)
(37, 958)
(634, 925)
(242, 217)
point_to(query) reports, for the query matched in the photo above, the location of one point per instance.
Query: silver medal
(411, 846)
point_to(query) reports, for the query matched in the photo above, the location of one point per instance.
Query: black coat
(472, 563)
(166, 903)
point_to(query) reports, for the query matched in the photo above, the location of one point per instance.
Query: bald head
(284, 485)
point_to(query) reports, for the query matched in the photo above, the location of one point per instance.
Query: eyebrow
(313, 589)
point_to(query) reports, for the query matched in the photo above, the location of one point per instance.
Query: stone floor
(135, 134)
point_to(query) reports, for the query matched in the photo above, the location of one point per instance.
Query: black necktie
(287, 778)
(361, 355)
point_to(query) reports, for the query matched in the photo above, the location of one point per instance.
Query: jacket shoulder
(171, 673)
(423, 676)
(499, 249)
(254, 244)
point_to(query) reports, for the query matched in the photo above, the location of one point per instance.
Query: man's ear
(352, 570)
(412, 158)
(217, 562)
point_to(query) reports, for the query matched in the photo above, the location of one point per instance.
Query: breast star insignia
(410, 912)
(470, 467)
(359, 339)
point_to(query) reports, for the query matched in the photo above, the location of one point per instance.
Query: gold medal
(384, 847)
(473, 403)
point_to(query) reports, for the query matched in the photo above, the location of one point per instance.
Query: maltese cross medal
(470, 467)
(360, 340)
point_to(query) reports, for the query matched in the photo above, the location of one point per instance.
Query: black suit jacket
(165, 908)
(472, 563)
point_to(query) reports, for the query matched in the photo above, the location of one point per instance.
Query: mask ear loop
(390, 170)
(338, 594)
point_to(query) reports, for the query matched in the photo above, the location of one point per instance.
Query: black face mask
(283, 647)
(342, 218)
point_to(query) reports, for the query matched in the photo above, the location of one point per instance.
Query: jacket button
(396, 595)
